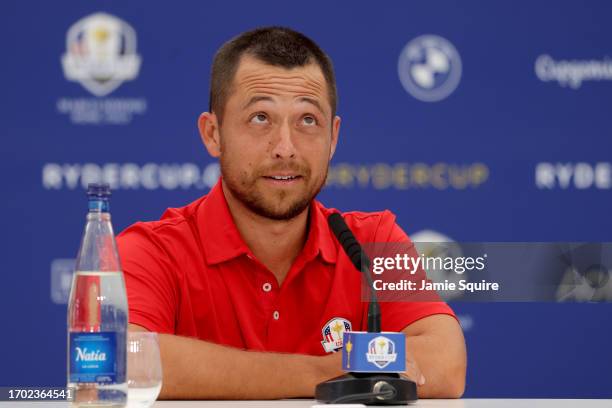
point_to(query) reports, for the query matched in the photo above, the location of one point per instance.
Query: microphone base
(360, 383)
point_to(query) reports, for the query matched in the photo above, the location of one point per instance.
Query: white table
(440, 403)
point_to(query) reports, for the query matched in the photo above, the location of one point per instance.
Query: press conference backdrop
(473, 121)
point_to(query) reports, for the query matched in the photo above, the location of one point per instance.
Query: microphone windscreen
(337, 224)
(345, 237)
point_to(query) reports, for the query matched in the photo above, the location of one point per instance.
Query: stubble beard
(244, 188)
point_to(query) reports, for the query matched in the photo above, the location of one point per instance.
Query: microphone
(372, 360)
(352, 248)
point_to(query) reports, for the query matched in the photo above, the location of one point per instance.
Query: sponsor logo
(592, 284)
(587, 275)
(429, 68)
(333, 332)
(466, 321)
(61, 279)
(572, 73)
(130, 176)
(434, 244)
(101, 55)
(579, 176)
(405, 176)
(381, 351)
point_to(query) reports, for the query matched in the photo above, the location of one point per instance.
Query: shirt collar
(221, 239)
(320, 239)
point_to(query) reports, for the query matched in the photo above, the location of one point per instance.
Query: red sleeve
(399, 314)
(151, 287)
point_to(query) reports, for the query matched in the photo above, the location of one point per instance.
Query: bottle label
(93, 357)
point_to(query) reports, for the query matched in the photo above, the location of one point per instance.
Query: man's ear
(334, 136)
(209, 132)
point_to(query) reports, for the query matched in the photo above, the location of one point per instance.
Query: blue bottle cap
(96, 190)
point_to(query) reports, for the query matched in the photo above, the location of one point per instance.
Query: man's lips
(283, 179)
(283, 176)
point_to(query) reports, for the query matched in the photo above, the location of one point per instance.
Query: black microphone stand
(364, 388)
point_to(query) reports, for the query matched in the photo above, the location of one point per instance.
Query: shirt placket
(268, 295)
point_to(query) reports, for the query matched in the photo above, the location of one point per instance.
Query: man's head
(272, 120)
(276, 46)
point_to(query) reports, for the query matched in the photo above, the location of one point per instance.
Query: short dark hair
(278, 46)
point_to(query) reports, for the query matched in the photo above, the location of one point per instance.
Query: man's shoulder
(174, 223)
(369, 221)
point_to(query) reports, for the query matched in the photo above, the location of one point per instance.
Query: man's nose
(283, 147)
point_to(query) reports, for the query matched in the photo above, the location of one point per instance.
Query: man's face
(276, 138)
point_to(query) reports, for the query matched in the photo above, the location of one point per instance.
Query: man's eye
(309, 121)
(259, 118)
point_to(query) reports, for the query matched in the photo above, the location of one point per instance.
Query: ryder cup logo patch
(101, 53)
(429, 68)
(333, 332)
(381, 351)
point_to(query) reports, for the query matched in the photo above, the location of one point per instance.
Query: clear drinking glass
(143, 368)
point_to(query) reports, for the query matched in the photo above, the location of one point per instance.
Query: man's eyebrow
(313, 102)
(256, 99)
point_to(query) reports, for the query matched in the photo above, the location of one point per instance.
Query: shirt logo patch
(332, 333)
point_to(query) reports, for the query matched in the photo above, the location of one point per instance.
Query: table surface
(440, 403)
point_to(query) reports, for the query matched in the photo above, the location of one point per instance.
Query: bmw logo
(429, 68)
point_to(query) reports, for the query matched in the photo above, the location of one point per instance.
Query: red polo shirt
(191, 274)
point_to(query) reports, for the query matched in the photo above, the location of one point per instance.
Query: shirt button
(267, 287)
(276, 315)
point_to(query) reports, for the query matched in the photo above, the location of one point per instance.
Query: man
(247, 285)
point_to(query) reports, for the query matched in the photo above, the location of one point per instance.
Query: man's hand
(413, 372)
(436, 356)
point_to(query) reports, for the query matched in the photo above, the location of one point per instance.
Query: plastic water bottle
(98, 312)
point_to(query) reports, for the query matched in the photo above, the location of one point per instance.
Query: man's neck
(274, 243)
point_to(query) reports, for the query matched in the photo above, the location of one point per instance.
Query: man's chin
(284, 212)
(274, 202)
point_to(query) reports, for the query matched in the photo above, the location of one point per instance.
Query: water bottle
(98, 312)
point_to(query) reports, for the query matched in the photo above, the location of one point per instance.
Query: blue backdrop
(481, 121)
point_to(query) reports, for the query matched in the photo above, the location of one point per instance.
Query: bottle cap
(96, 190)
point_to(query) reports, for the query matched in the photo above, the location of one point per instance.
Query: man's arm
(435, 348)
(195, 369)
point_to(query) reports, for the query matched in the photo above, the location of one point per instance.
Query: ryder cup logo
(101, 53)
(429, 68)
(381, 352)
